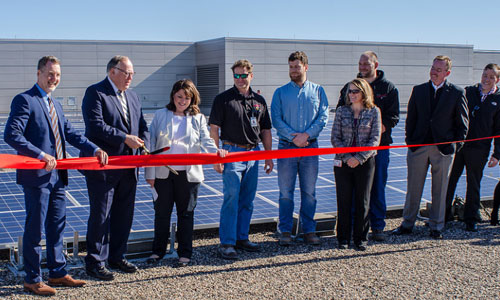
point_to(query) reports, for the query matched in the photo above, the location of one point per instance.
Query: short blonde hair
(366, 91)
(444, 58)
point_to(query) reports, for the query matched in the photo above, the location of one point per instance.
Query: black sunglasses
(238, 76)
(353, 91)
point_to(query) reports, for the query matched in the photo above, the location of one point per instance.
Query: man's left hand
(268, 166)
(493, 162)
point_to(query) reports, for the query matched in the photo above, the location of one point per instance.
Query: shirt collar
(297, 86)
(113, 85)
(493, 89)
(42, 92)
(437, 87)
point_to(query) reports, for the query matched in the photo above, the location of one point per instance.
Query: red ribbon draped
(11, 161)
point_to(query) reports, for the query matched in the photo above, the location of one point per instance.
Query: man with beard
(386, 98)
(299, 112)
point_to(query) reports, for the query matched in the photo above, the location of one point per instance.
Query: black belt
(244, 146)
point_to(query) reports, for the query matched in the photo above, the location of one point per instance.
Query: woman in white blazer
(183, 128)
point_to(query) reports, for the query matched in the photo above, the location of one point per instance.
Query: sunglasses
(354, 91)
(238, 76)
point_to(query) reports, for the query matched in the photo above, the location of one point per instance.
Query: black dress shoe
(247, 246)
(436, 234)
(99, 272)
(402, 230)
(361, 246)
(471, 226)
(123, 265)
(343, 245)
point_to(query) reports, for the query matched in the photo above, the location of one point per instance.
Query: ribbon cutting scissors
(147, 152)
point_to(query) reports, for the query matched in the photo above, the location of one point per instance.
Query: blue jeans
(307, 169)
(239, 186)
(377, 199)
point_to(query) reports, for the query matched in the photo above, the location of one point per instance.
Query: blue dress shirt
(296, 109)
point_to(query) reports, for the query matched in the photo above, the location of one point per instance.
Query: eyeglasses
(354, 91)
(131, 74)
(238, 76)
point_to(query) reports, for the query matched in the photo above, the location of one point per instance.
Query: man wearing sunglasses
(240, 118)
(437, 112)
(299, 111)
(484, 113)
(113, 121)
(386, 98)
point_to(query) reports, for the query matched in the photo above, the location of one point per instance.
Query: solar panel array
(12, 213)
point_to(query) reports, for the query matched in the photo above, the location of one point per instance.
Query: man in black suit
(437, 112)
(113, 121)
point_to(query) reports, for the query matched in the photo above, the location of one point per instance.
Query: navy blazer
(449, 121)
(28, 131)
(105, 124)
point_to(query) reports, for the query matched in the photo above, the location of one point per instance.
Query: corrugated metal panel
(207, 78)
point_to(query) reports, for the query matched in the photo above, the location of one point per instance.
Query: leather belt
(246, 146)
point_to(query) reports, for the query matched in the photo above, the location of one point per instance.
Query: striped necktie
(123, 102)
(54, 123)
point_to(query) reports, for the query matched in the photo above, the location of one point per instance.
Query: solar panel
(12, 214)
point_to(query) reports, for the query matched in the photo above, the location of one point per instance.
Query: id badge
(337, 163)
(253, 122)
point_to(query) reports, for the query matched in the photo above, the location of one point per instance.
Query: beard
(295, 77)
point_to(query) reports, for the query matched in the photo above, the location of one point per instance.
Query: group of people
(240, 119)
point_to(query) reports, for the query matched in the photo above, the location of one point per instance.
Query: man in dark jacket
(386, 97)
(437, 113)
(484, 113)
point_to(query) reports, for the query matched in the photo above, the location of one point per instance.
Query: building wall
(158, 66)
(332, 64)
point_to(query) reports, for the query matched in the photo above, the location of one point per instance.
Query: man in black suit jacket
(113, 121)
(437, 112)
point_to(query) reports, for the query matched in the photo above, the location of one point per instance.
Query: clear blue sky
(447, 21)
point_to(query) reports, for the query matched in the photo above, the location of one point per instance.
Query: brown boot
(285, 239)
(66, 281)
(311, 238)
(39, 288)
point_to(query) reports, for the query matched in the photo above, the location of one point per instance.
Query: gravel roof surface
(462, 266)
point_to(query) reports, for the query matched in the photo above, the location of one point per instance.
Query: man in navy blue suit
(37, 128)
(113, 121)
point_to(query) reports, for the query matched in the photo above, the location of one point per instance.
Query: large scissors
(147, 152)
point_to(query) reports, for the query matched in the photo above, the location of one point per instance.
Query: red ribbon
(11, 161)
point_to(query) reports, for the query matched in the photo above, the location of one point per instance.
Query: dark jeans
(378, 205)
(354, 184)
(474, 160)
(175, 189)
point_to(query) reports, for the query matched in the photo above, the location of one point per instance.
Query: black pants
(175, 189)
(357, 181)
(474, 160)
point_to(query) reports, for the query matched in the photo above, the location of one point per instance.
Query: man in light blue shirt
(299, 112)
